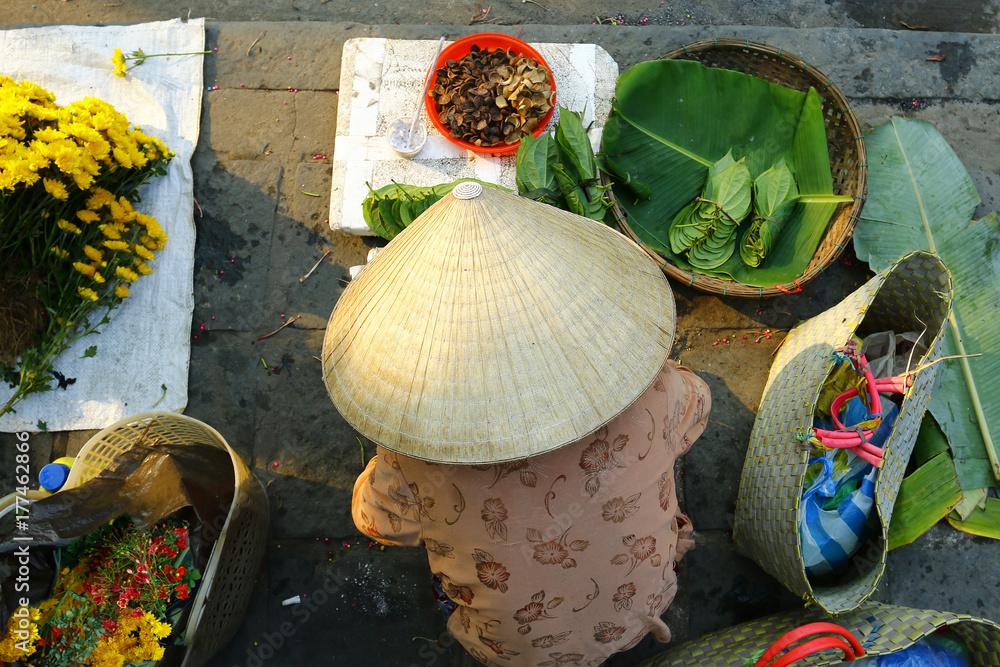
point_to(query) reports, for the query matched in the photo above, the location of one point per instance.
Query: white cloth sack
(147, 343)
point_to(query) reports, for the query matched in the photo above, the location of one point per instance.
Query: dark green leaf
(574, 144)
(534, 161)
(89, 352)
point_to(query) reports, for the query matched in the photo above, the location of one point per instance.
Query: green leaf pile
(673, 119)
(562, 170)
(774, 197)
(390, 209)
(706, 229)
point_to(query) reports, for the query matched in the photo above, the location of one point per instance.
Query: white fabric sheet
(147, 343)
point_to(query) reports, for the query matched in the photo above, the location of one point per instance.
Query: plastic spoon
(420, 102)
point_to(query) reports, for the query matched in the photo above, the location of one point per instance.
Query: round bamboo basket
(848, 160)
(221, 600)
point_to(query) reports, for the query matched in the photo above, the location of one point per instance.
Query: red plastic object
(842, 639)
(459, 49)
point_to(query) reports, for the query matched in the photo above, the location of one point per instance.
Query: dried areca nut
(492, 95)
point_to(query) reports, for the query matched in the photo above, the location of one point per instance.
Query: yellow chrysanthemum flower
(110, 231)
(83, 180)
(98, 278)
(87, 216)
(68, 226)
(49, 134)
(87, 293)
(121, 291)
(55, 188)
(142, 268)
(9, 651)
(127, 274)
(143, 252)
(122, 156)
(60, 253)
(115, 245)
(93, 253)
(85, 269)
(99, 198)
(119, 61)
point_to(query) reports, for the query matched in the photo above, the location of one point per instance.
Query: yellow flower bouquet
(71, 242)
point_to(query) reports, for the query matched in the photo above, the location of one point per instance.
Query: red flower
(623, 598)
(550, 553)
(109, 626)
(530, 612)
(182, 537)
(181, 571)
(493, 574)
(607, 632)
(182, 592)
(643, 547)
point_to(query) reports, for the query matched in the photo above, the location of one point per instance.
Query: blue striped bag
(829, 537)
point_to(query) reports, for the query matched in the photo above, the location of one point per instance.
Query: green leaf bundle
(775, 195)
(706, 229)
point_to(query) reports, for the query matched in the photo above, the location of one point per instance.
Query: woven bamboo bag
(912, 295)
(221, 601)
(882, 629)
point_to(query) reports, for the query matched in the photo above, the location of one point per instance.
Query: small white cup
(398, 133)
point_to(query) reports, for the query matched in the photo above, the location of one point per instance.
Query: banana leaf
(775, 195)
(984, 522)
(920, 197)
(672, 119)
(925, 497)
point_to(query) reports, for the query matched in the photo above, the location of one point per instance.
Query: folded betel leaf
(774, 197)
(706, 229)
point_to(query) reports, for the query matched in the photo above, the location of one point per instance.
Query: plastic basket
(220, 603)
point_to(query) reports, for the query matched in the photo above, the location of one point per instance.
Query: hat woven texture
(495, 328)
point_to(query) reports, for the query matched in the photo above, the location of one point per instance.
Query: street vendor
(510, 359)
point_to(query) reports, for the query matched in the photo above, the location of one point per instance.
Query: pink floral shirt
(560, 559)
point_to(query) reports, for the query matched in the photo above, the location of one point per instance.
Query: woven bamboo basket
(848, 160)
(882, 629)
(912, 294)
(220, 604)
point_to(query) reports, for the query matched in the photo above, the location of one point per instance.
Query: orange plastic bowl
(458, 50)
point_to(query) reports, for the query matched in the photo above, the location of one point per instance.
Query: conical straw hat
(495, 328)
